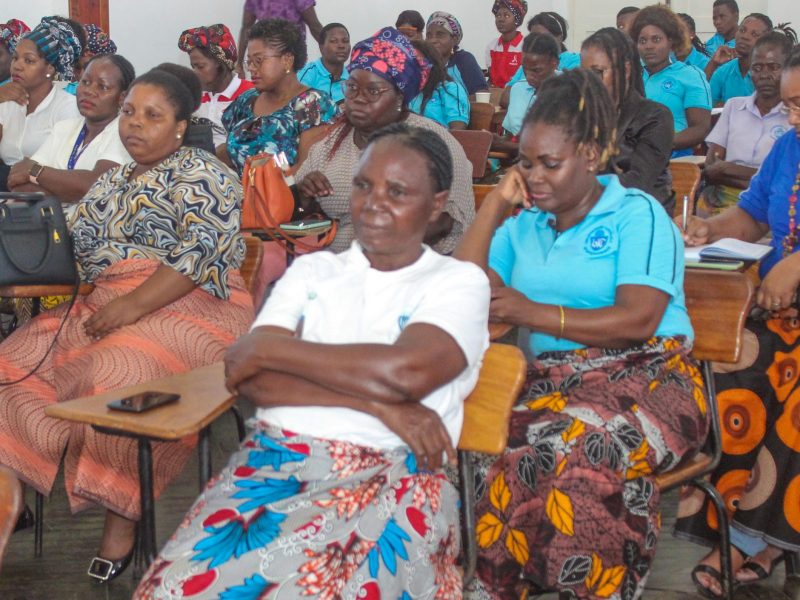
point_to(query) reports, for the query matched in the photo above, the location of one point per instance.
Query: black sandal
(761, 572)
(702, 589)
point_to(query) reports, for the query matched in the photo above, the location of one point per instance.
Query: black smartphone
(142, 402)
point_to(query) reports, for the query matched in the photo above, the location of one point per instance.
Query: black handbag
(35, 245)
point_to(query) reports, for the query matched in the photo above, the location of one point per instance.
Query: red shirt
(504, 59)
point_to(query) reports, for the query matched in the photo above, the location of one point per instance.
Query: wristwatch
(34, 172)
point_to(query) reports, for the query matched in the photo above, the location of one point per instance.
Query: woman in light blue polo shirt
(327, 73)
(595, 271)
(725, 16)
(681, 88)
(732, 79)
(441, 99)
(698, 55)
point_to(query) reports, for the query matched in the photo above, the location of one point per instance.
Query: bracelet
(563, 320)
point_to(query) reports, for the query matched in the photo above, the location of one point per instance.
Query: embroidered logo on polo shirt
(667, 85)
(598, 240)
(778, 131)
(402, 321)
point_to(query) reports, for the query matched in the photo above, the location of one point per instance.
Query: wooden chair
(718, 304)
(252, 261)
(496, 93)
(480, 116)
(685, 182)
(487, 411)
(476, 146)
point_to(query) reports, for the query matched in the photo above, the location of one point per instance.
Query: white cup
(483, 96)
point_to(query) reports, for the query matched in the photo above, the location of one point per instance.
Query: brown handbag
(268, 203)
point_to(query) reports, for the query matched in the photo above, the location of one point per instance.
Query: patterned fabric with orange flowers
(572, 503)
(217, 39)
(390, 55)
(293, 516)
(759, 474)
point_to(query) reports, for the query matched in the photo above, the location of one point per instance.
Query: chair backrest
(685, 181)
(476, 146)
(487, 410)
(718, 303)
(480, 190)
(252, 260)
(480, 116)
(496, 93)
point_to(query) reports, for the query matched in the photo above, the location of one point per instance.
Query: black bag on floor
(35, 245)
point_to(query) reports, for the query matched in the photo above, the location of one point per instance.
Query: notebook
(726, 249)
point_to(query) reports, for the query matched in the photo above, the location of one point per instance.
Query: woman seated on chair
(595, 271)
(80, 150)
(159, 238)
(444, 32)
(746, 129)
(759, 399)
(441, 99)
(358, 366)
(327, 73)
(374, 99)
(644, 127)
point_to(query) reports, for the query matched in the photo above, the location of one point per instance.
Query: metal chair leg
(466, 486)
(38, 525)
(237, 414)
(726, 570)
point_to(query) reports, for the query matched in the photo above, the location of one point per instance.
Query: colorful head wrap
(11, 32)
(217, 39)
(98, 42)
(58, 43)
(447, 22)
(518, 8)
(389, 54)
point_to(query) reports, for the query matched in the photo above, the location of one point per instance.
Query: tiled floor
(70, 542)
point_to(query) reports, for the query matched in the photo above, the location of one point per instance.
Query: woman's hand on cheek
(117, 313)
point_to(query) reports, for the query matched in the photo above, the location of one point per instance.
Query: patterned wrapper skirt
(293, 516)
(572, 504)
(191, 332)
(759, 474)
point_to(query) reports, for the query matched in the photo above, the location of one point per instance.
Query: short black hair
(411, 17)
(578, 102)
(126, 71)
(761, 17)
(628, 10)
(188, 78)
(427, 143)
(619, 48)
(729, 3)
(776, 38)
(667, 21)
(793, 60)
(177, 92)
(541, 44)
(552, 21)
(285, 36)
(323, 33)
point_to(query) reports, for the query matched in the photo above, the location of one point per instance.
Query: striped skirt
(293, 516)
(191, 332)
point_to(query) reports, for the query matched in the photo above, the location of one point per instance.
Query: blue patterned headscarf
(390, 55)
(58, 44)
(97, 41)
(11, 32)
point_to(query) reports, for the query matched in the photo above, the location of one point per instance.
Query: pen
(685, 211)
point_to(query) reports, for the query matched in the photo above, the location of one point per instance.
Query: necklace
(790, 241)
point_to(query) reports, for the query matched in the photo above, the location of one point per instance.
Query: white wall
(146, 31)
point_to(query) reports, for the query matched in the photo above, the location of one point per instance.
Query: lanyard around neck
(77, 149)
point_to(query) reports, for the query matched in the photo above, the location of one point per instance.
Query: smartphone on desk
(142, 402)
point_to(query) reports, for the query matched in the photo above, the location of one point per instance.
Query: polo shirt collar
(357, 260)
(750, 105)
(227, 94)
(610, 200)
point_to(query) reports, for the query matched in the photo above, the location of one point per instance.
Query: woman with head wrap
(504, 54)
(10, 33)
(213, 55)
(444, 33)
(97, 44)
(51, 50)
(441, 99)
(386, 73)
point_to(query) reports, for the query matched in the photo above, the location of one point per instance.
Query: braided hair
(793, 60)
(779, 38)
(283, 34)
(426, 143)
(126, 71)
(578, 102)
(761, 17)
(622, 55)
(438, 74)
(691, 26)
(788, 31)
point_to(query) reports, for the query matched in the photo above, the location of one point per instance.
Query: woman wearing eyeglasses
(386, 73)
(759, 397)
(271, 116)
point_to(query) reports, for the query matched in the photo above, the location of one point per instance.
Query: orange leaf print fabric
(499, 494)
(559, 511)
(517, 545)
(488, 530)
(555, 402)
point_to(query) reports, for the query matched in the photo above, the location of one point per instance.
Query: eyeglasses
(786, 109)
(254, 62)
(371, 94)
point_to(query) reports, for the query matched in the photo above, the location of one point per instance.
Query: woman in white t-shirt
(52, 49)
(359, 364)
(80, 150)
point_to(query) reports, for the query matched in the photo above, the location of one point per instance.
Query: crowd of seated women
(360, 357)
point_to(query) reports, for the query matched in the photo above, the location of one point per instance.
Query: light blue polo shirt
(626, 239)
(727, 82)
(566, 61)
(448, 103)
(715, 41)
(317, 77)
(678, 86)
(521, 98)
(697, 59)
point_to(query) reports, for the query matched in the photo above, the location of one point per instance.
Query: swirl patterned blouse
(184, 212)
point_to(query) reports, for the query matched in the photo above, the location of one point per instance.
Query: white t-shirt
(56, 150)
(340, 299)
(23, 134)
(213, 105)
